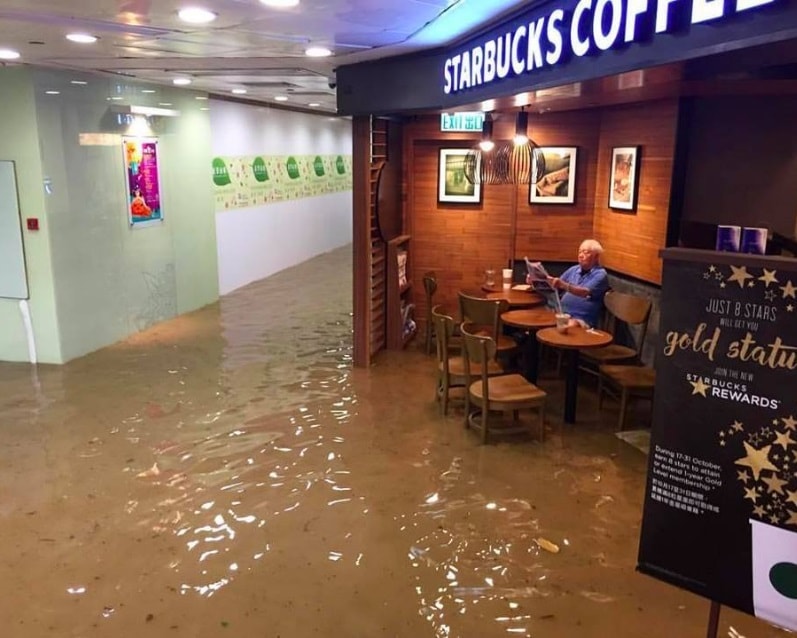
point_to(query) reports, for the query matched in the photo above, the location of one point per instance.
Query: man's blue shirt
(587, 309)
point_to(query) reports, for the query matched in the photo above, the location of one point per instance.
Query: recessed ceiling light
(81, 38)
(239, 91)
(115, 98)
(281, 98)
(148, 91)
(314, 104)
(164, 103)
(280, 4)
(78, 82)
(53, 92)
(204, 108)
(201, 97)
(8, 54)
(181, 81)
(196, 15)
(317, 52)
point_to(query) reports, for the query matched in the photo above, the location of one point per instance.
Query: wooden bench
(631, 381)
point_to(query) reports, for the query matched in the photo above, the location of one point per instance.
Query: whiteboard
(13, 276)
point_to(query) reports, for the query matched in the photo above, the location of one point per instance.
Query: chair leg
(542, 422)
(484, 422)
(623, 408)
(445, 396)
(600, 391)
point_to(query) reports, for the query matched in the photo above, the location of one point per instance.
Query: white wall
(255, 242)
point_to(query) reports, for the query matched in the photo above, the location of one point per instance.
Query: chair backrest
(429, 286)
(483, 312)
(443, 329)
(478, 350)
(632, 310)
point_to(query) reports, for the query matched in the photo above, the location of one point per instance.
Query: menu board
(720, 511)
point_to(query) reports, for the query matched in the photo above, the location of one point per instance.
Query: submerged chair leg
(623, 408)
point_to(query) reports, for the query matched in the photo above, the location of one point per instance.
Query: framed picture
(553, 175)
(143, 182)
(453, 186)
(624, 179)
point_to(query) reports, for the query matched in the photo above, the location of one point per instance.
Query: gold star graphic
(789, 308)
(792, 518)
(756, 460)
(743, 475)
(774, 518)
(791, 496)
(758, 510)
(722, 284)
(775, 484)
(790, 423)
(698, 387)
(737, 426)
(783, 439)
(722, 443)
(749, 492)
(740, 275)
(768, 277)
(712, 268)
(788, 289)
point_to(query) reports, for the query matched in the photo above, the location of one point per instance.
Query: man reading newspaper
(580, 289)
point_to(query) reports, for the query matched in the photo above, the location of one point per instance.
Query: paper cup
(754, 240)
(507, 276)
(728, 238)
(562, 321)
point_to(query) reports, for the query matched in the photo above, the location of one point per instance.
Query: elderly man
(584, 285)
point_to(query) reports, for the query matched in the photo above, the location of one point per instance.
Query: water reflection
(231, 470)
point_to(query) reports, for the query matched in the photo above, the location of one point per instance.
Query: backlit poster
(143, 183)
(720, 511)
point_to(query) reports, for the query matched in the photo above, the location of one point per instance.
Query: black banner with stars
(720, 512)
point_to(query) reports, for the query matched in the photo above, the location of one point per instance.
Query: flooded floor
(229, 473)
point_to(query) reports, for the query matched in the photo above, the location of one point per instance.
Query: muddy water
(229, 472)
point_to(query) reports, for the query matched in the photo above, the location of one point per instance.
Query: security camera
(333, 83)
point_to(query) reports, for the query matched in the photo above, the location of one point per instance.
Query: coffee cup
(507, 277)
(562, 322)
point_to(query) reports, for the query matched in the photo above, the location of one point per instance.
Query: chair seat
(639, 379)
(612, 352)
(509, 388)
(456, 367)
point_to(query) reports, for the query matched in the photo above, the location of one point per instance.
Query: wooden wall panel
(554, 231)
(631, 242)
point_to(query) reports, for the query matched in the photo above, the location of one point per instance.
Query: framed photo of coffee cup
(553, 175)
(453, 185)
(624, 179)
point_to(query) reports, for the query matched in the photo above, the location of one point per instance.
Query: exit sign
(465, 121)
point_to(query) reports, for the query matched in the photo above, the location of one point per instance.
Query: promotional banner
(143, 183)
(720, 512)
(243, 181)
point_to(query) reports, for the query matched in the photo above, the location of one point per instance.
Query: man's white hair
(592, 245)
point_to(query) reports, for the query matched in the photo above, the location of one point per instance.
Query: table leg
(531, 356)
(571, 386)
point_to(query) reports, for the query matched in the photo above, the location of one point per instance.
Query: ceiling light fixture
(280, 4)
(317, 52)
(8, 54)
(196, 15)
(521, 127)
(314, 104)
(148, 91)
(281, 98)
(53, 92)
(82, 38)
(181, 81)
(78, 82)
(239, 91)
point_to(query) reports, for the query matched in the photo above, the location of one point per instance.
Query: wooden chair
(450, 366)
(505, 393)
(486, 315)
(429, 288)
(627, 311)
(630, 381)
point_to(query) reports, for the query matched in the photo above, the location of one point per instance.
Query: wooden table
(515, 298)
(572, 341)
(530, 320)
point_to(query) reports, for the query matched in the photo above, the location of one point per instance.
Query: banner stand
(713, 619)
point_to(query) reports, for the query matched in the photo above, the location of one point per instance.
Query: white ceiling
(249, 46)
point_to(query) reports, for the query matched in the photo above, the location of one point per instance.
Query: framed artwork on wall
(553, 175)
(624, 179)
(143, 182)
(453, 186)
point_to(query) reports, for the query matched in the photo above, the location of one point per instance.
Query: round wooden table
(515, 298)
(530, 320)
(572, 341)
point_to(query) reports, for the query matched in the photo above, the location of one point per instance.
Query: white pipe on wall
(24, 308)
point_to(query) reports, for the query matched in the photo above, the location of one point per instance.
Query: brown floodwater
(229, 472)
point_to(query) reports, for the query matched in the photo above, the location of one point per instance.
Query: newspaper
(538, 278)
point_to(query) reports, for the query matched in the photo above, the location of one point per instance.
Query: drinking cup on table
(562, 322)
(489, 277)
(507, 275)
